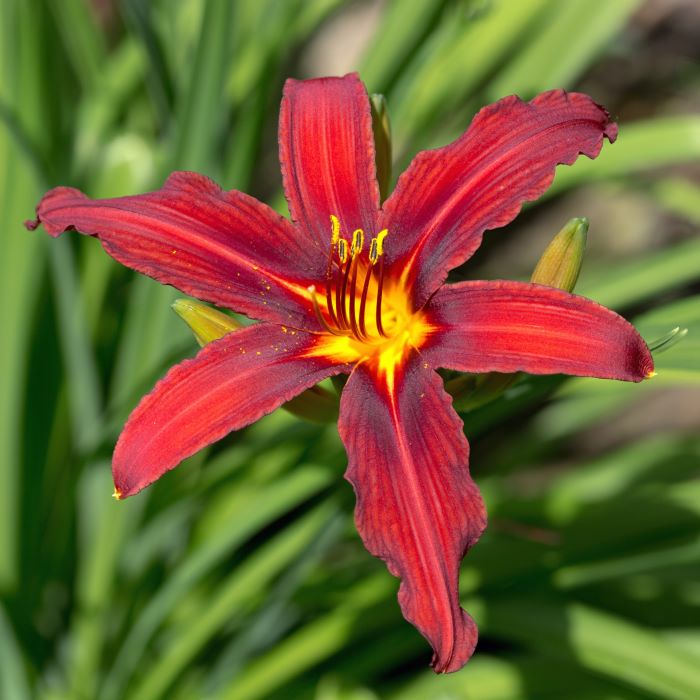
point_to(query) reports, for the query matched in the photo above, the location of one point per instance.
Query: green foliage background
(240, 574)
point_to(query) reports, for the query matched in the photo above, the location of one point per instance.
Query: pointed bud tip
(579, 227)
(180, 306)
(117, 495)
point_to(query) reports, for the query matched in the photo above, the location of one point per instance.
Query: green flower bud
(560, 263)
(205, 322)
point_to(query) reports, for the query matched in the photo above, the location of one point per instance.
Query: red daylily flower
(354, 287)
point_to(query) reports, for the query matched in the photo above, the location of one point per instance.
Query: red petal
(223, 247)
(448, 197)
(231, 383)
(512, 326)
(417, 507)
(327, 156)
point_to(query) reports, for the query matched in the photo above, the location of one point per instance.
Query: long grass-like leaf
(641, 145)
(259, 512)
(85, 45)
(202, 112)
(234, 594)
(642, 279)
(601, 642)
(13, 681)
(22, 262)
(84, 391)
(575, 32)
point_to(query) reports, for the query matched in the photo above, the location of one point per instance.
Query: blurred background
(240, 575)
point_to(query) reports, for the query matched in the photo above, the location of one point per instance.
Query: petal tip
(125, 491)
(55, 199)
(610, 131)
(462, 649)
(647, 368)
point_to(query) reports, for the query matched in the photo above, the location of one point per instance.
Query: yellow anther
(380, 241)
(335, 229)
(343, 250)
(358, 242)
(376, 246)
(373, 257)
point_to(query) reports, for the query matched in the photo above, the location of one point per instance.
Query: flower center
(353, 303)
(370, 316)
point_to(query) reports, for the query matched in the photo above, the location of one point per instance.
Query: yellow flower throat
(366, 316)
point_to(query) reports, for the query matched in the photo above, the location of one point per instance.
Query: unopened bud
(560, 263)
(382, 142)
(205, 322)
